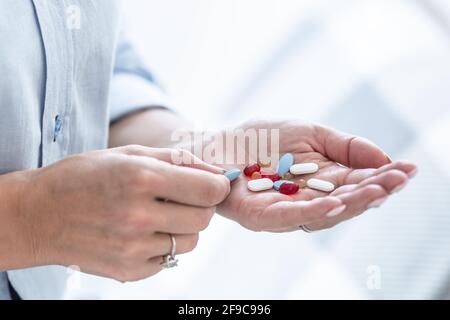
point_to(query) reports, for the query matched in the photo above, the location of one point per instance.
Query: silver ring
(174, 246)
(170, 261)
(306, 229)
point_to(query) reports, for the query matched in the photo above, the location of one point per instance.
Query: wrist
(19, 247)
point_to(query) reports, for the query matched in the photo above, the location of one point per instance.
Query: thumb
(349, 150)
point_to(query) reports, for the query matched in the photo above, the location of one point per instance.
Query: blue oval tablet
(232, 174)
(285, 164)
(278, 184)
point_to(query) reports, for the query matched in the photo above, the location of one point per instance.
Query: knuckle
(140, 178)
(133, 149)
(139, 219)
(136, 223)
(137, 176)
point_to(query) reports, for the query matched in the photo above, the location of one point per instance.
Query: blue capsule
(278, 184)
(285, 164)
(232, 174)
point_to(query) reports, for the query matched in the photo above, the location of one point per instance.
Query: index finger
(175, 156)
(191, 186)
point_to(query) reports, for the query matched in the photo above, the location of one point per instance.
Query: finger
(351, 151)
(191, 186)
(152, 253)
(160, 244)
(341, 176)
(344, 189)
(185, 158)
(175, 218)
(291, 214)
(391, 181)
(356, 203)
(358, 175)
(174, 156)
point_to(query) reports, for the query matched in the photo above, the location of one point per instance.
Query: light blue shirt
(61, 84)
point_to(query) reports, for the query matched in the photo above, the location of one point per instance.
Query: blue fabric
(61, 86)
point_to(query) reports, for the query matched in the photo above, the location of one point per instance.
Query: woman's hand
(363, 174)
(111, 212)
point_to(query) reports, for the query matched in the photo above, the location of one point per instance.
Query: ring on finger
(306, 229)
(170, 261)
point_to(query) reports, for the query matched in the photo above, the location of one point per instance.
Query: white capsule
(260, 185)
(304, 168)
(320, 185)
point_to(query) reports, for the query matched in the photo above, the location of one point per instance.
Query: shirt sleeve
(133, 87)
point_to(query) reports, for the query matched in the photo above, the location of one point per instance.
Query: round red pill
(251, 169)
(289, 188)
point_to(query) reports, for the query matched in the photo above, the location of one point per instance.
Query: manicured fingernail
(399, 187)
(377, 203)
(217, 169)
(413, 173)
(336, 211)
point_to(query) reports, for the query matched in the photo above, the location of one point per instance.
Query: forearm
(16, 251)
(150, 127)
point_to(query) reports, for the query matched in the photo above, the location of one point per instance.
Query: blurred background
(376, 68)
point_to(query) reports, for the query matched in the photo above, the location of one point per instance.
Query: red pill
(289, 188)
(267, 171)
(272, 175)
(251, 169)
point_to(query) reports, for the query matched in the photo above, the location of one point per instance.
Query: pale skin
(108, 212)
(103, 210)
(368, 177)
(363, 173)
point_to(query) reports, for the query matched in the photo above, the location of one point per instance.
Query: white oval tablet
(304, 168)
(260, 185)
(320, 185)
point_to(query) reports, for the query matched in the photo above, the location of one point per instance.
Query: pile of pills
(262, 179)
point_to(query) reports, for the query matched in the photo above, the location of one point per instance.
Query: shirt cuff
(130, 93)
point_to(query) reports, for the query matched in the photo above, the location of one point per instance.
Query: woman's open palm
(363, 174)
